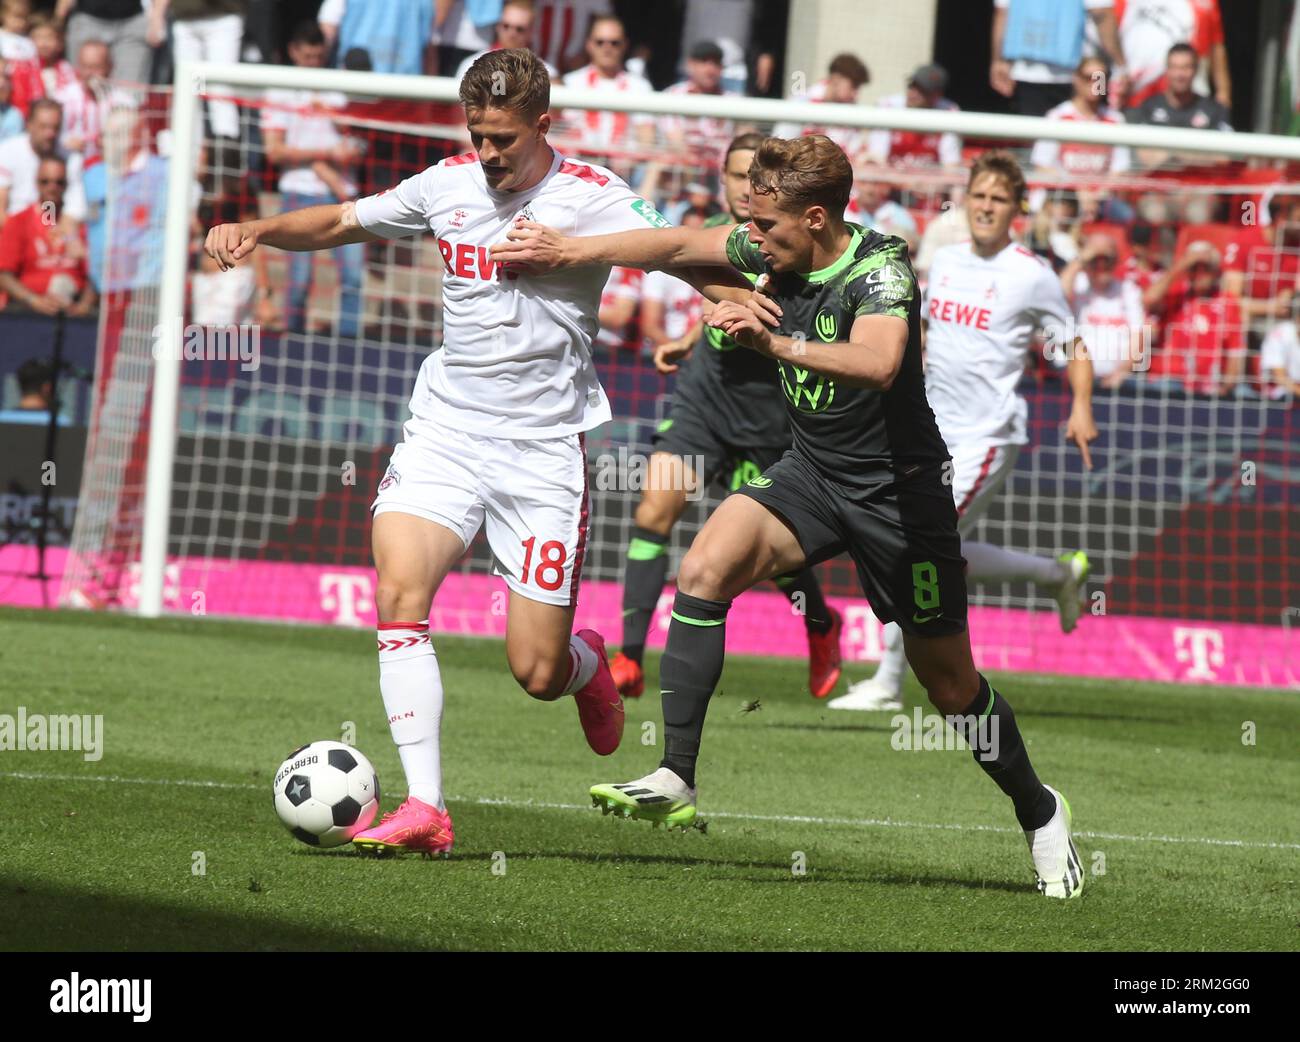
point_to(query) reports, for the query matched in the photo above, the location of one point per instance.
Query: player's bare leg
(412, 557)
(946, 670)
(743, 543)
(550, 660)
(662, 504)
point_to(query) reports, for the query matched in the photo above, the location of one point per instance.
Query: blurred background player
(498, 418)
(727, 412)
(984, 301)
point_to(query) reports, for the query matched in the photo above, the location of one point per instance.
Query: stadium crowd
(1180, 268)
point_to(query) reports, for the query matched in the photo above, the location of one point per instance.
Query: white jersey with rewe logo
(982, 314)
(516, 355)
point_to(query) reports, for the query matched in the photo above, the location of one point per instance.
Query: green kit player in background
(864, 475)
(728, 413)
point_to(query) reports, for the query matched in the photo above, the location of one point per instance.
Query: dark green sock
(989, 727)
(804, 591)
(688, 673)
(643, 582)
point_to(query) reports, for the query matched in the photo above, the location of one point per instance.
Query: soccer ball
(325, 793)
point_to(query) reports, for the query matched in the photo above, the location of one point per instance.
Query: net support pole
(166, 344)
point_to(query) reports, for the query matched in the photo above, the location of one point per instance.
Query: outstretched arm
(537, 248)
(312, 228)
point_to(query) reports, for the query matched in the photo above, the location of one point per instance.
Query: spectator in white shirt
(15, 22)
(1108, 312)
(1280, 356)
(316, 166)
(608, 136)
(20, 158)
(86, 101)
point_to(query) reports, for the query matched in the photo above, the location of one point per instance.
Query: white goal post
(194, 79)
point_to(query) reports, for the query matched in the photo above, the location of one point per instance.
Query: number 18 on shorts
(530, 494)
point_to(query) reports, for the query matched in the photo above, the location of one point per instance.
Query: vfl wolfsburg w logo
(825, 325)
(808, 392)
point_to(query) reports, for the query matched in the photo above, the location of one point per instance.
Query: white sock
(412, 688)
(988, 563)
(893, 663)
(585, 662)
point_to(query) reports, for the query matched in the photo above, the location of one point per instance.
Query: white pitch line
(780, 819)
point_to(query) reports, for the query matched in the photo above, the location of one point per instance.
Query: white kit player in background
(497, 419)
(983, 302)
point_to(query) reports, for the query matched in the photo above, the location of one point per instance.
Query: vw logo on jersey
(825, 325)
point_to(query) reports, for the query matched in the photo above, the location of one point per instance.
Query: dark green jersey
(853, 435)
(737, 386)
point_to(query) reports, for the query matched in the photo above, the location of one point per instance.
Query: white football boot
(660, 797)
(868, 694)
(1060, 872)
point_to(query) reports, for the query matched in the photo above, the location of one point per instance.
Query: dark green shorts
(690, 434)
(901, 535)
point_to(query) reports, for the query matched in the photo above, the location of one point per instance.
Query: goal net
(242, 420)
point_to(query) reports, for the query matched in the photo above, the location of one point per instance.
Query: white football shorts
(532, 494)
(979, 471)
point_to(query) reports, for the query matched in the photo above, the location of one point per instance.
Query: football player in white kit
(497, 419)
(983, 302)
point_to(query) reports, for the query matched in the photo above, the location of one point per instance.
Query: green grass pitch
(1198, 833)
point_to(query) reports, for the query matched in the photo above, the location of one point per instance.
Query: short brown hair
(743, 143)
(1001, 164)
(803, 172)
(850, 66)
(513, 78)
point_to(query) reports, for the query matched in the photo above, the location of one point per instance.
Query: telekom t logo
(1201, 647)
(346, 595)
(863, 633)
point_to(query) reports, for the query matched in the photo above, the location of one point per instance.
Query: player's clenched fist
(228, 243)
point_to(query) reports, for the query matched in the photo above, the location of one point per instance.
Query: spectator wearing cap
(43, 252)
(1178, 105)
(730, 26)
(1038, 43)
(609, 135)
(845, 77)
(925, 90)
(21, 156)
(122, 24)
(1280, 356)
(11, 118)
(1107, 310)
(513, 29)
(1203, 344)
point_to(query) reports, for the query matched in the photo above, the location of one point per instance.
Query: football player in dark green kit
(727, 417)
(865, 474)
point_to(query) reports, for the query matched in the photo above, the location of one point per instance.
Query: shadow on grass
(44, 918)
